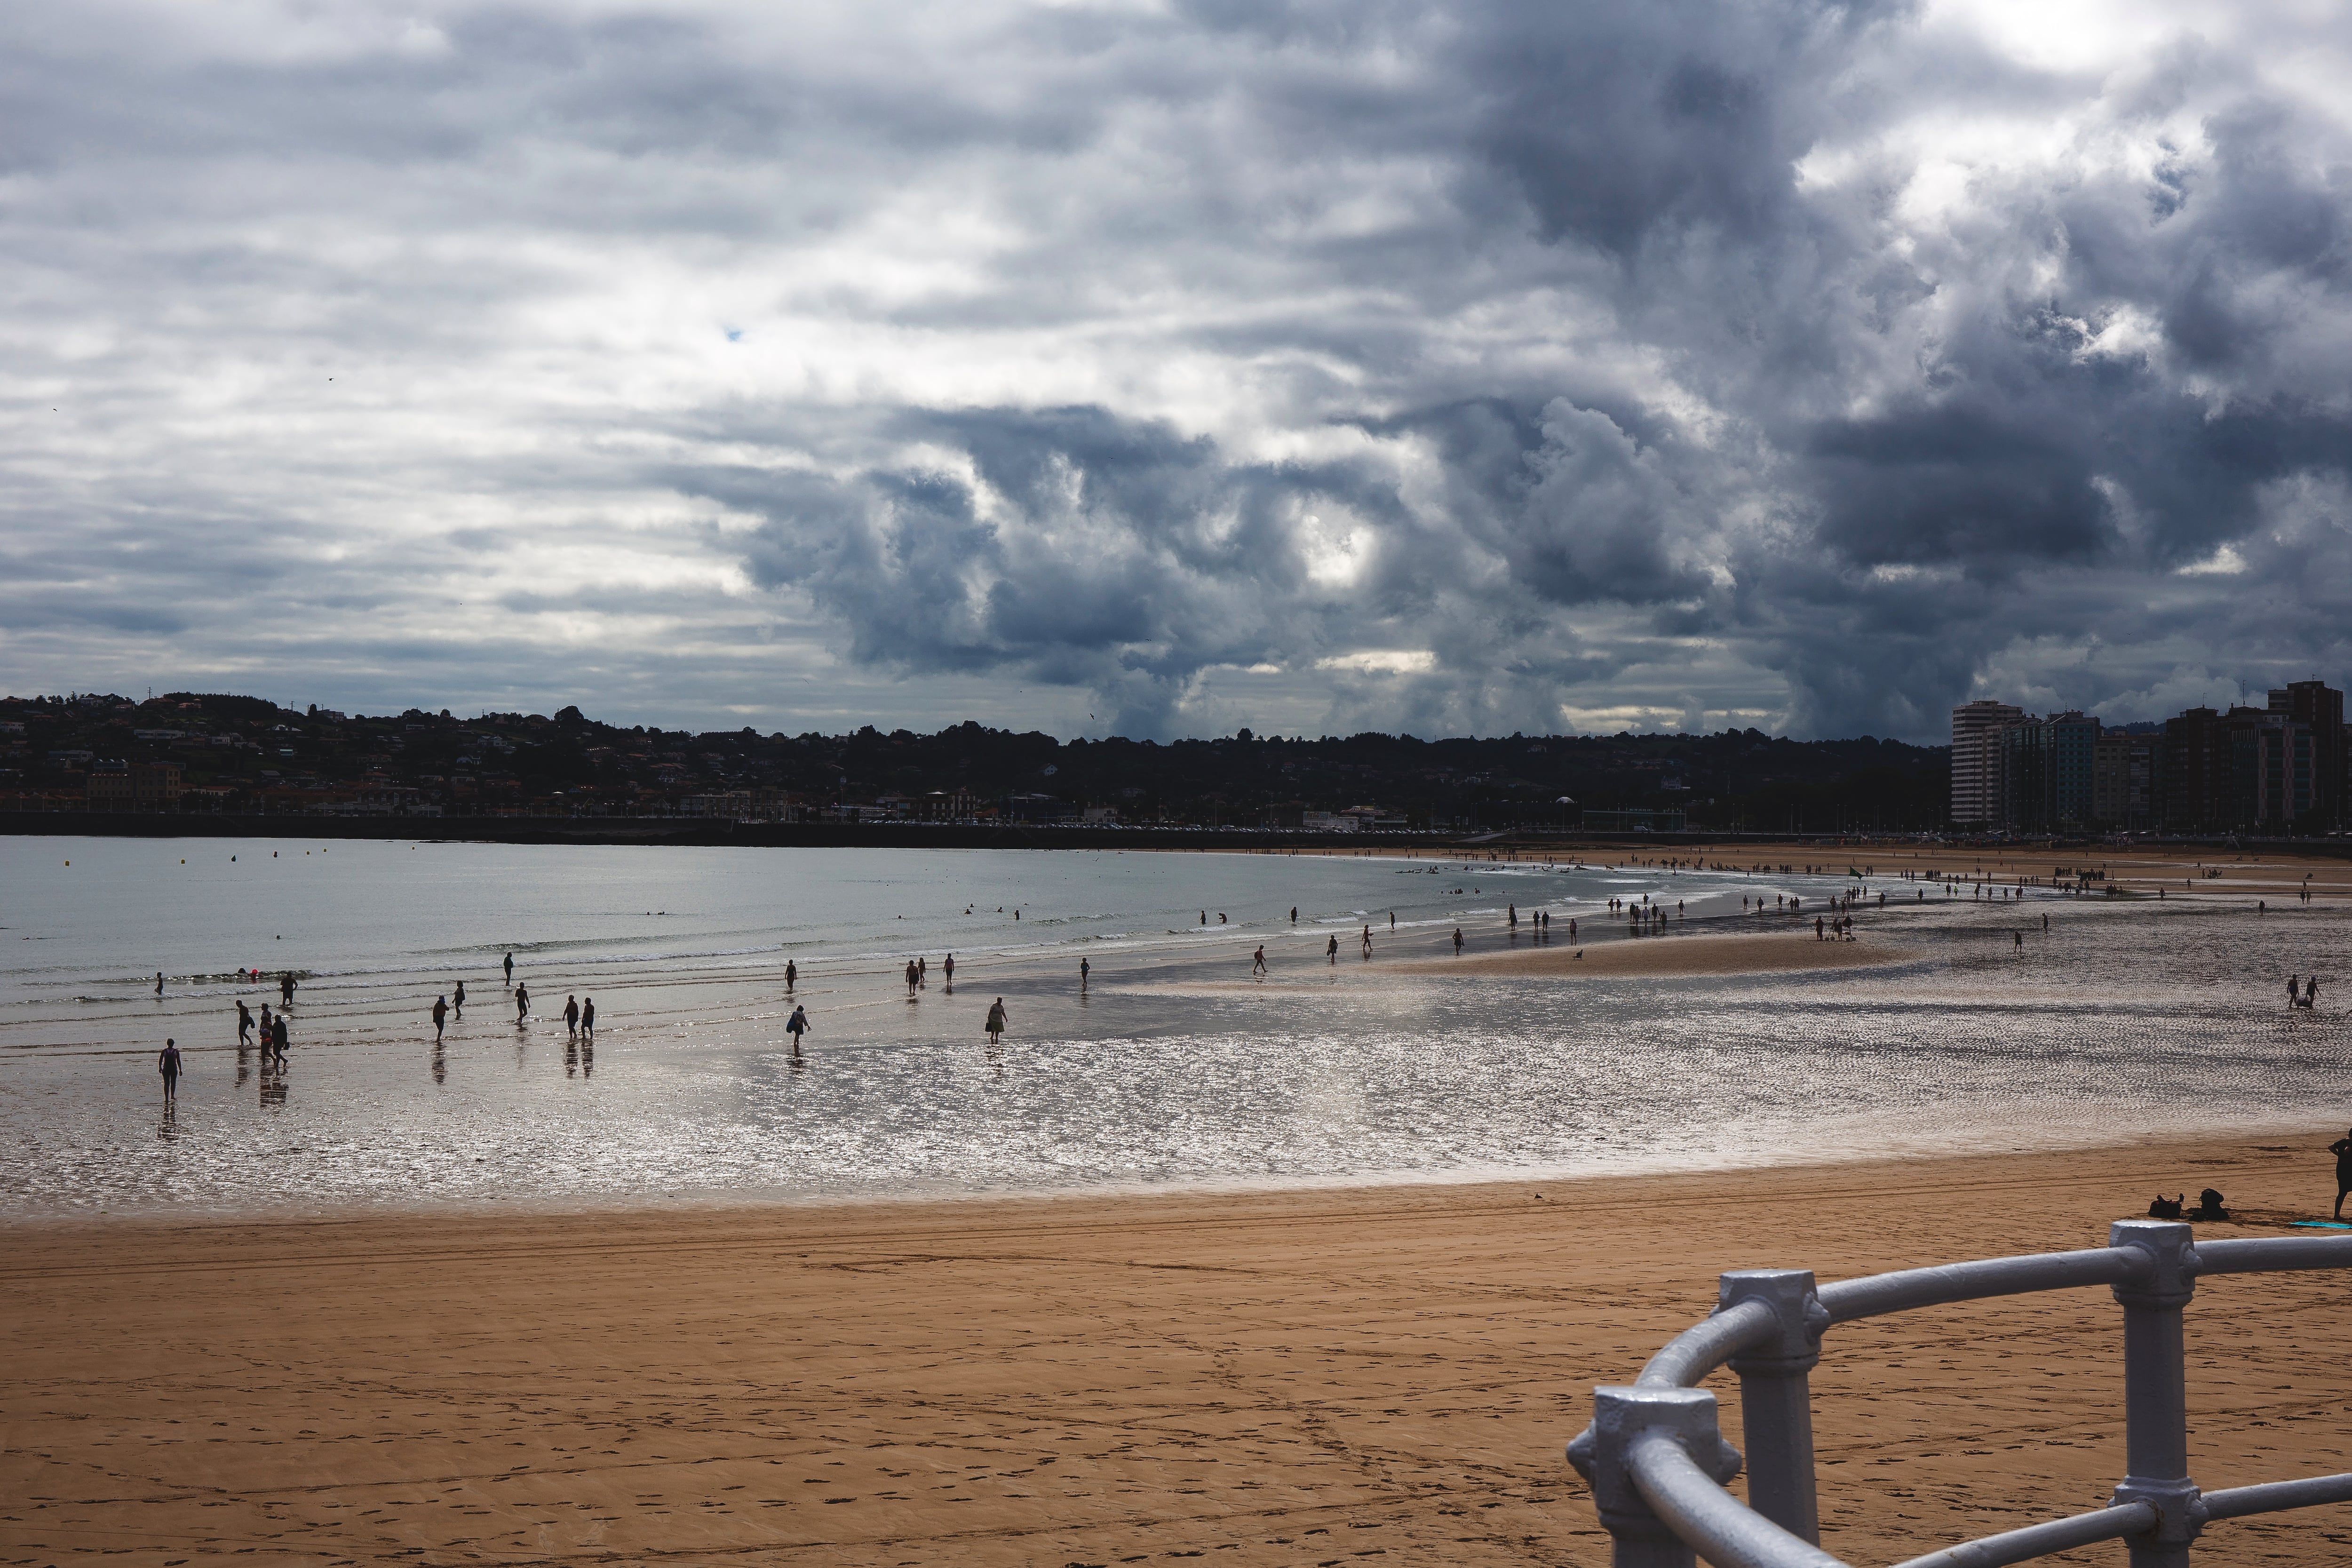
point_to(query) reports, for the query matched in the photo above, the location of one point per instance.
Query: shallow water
(1171, 1068)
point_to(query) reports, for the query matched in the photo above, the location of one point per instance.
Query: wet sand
(1692, 953)
(1326, 1378)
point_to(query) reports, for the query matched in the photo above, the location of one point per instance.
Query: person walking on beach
(286, 989)
(997, 1024)
(1332, 951)
(570, 1016)
(1458, 942)
(440, 1017)
(167, 1062)
(946, 970)
(1085, 969)
(522, 1004)
(2293, 990)
(911, 977)
(1368, 942)
(588, 1017)
(1257, 960)
(510, 969)
(277, 1039)
(796, 1025)
(2310, 992)
(2342, 1150)
(244, 1022)
(457, 1001)
(792, 975)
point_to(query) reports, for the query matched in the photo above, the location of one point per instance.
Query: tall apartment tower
(1977, 791)
(2320, 708)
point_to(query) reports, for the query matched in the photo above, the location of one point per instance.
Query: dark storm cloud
(1490, 366)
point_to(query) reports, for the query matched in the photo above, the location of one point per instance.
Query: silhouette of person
(2310, 992)
(1332, 952)
(510, 969)
(159, 983)
(588, 1017)
(2342, 1150)
(458, 1000)
(792, 975)
(1294, 914)
(244, 1022)
(947, 968)
(1457, 939)
(277, 1039)
(570, 1016)
(796, 1025)
(286, 988)
(167, 1062)
(1085, 969)
(440, 1017)
(1257, 960)
(996, 1023)
(2294, 989)
(522, 1004)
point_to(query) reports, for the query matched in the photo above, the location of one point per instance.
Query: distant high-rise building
(2049, 772)
(2320, 707)
(2197, 783)
(2073, 743)
(2274, 770)
(2110, 780)
(1977, 790)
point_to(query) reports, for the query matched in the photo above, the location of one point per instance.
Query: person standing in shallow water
(2342, 1150)
(167, 1062)
(588, 1017)
(522, 1004)
(996, 1022)
(792, 975)
(440, 1017)
(570, 1016)
(457, 1001)
(244, 1021)
(510, 969)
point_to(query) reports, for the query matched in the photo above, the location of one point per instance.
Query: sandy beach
(1317, 1378)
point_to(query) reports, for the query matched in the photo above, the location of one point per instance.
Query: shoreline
(1280, 1379)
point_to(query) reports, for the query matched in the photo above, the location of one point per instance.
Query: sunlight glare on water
(1171, 1068)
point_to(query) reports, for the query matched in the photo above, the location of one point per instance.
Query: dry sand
(1330, 1379)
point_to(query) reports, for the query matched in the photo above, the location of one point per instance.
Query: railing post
(1639, 1538)
(2156, 1391)
(1776, 1399)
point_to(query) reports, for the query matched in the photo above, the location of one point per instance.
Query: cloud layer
(1162, 368)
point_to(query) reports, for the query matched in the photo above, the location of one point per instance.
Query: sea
(1141, 1052)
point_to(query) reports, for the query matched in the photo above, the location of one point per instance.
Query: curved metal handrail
(1647, 1461)
(2042, 1540)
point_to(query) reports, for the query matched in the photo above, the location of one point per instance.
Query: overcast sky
(1158, 369)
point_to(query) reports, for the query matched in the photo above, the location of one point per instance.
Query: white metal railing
(1657, 1463)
